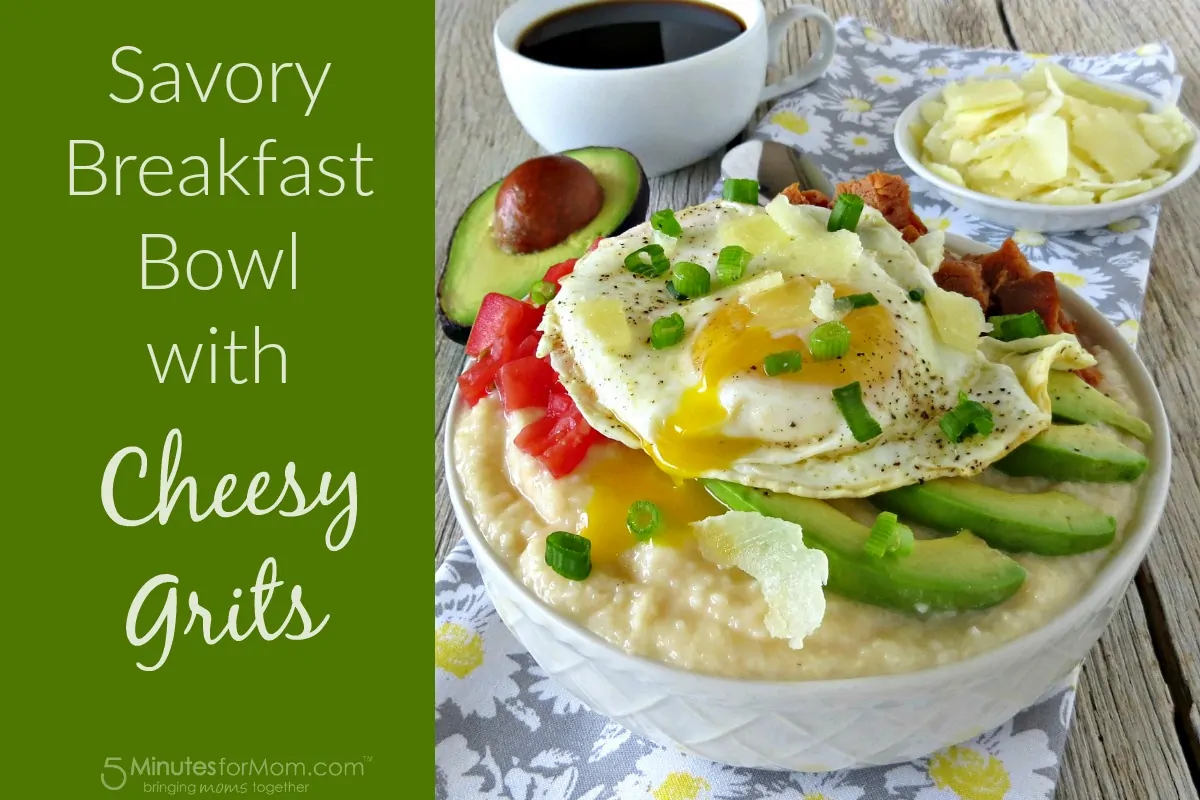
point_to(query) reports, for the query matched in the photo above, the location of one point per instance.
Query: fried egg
(705, 407)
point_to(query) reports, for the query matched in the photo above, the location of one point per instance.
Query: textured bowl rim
(1111, 579)
(1186, 170)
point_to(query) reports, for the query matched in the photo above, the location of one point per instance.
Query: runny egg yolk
(622, 477)
(736, 341)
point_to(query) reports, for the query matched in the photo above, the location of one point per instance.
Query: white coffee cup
(668, 115)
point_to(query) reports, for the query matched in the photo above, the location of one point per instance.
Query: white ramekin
(834, 724)
(1039, 216)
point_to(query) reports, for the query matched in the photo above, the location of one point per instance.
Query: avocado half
(475, 265)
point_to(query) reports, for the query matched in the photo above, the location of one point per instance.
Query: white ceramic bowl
(1038, 216)
(833, 724)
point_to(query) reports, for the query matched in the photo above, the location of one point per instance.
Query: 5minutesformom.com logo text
(118, 770)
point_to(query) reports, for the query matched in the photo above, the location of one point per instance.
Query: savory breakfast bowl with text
(805, 487)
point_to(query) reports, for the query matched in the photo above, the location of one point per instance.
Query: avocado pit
(542, 202)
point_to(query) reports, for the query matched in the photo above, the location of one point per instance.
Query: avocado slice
(957, 573)
(1075, 453)
(1073, 400)
(475, 264)
(1048, 523)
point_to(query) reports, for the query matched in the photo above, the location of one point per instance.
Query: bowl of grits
(868, 492)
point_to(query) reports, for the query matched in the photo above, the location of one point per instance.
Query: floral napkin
(506, 730)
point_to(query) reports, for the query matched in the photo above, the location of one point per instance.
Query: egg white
(796, 439)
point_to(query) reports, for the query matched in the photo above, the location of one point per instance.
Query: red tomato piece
(559, 404)
(525, 383)
(534, 438)
(571, 438)
(474, 382)
(501, 316)
(558, 271)
(528, 346)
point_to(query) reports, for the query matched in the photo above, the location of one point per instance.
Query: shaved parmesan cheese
(822, 305)
(790, 575)
(957, 318)
(605, 318)
(931, 249)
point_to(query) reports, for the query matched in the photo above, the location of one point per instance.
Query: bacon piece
(964, 277)
(1037, 293)
(1006, 264)
(806, 197)
(889, 195)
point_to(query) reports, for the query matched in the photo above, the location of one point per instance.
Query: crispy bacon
(806, 197)
(889, 195)
(964, 277)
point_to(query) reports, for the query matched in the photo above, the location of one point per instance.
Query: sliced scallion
(542, 292)
(740, 190)
(649, 261)
(690, 280)
(664, 222)
(852, 301)
(731, 263)
(889, 536)
(829, 340)
(854, 411)
(666, 332)
(569, 554)
(846, 211)
(782, 363)
(969, 417)
(1010, 327)
(643, 520)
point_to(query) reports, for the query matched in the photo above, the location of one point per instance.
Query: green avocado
(1075, 453)
(956, 573)
(476, 265)
(1073, 400)
(1048, 523)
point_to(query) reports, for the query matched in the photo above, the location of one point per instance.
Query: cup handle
(816, 65)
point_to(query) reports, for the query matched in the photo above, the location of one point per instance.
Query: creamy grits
(664, 601)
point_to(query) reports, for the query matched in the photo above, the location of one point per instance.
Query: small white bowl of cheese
(986, 188)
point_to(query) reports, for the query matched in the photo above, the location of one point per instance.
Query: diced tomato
(473, 383)
(572, 438)
(525, 383)
(528, 346)
(534, 438)
(558, 271)
(501, 316)
(559, 403)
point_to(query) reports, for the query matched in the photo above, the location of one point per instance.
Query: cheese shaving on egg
(822, 305)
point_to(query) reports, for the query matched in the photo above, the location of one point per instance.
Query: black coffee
(637, 33)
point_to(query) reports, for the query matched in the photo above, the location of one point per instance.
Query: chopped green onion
(853, 301)
(731, 263)
(666, 331)
(1009, 327)
(969, 417)
(740, 190)
(780, 363)
(889, 536)
(569, 554)
(916, 295)
(664, 222)
(678, 295)
(649, 261)
(829, 340)
(542, 292)
(850, 403)
(846, 211)
(690, 280)
(643, 520)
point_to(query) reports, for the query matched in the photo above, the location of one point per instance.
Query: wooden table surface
(1137, 724)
